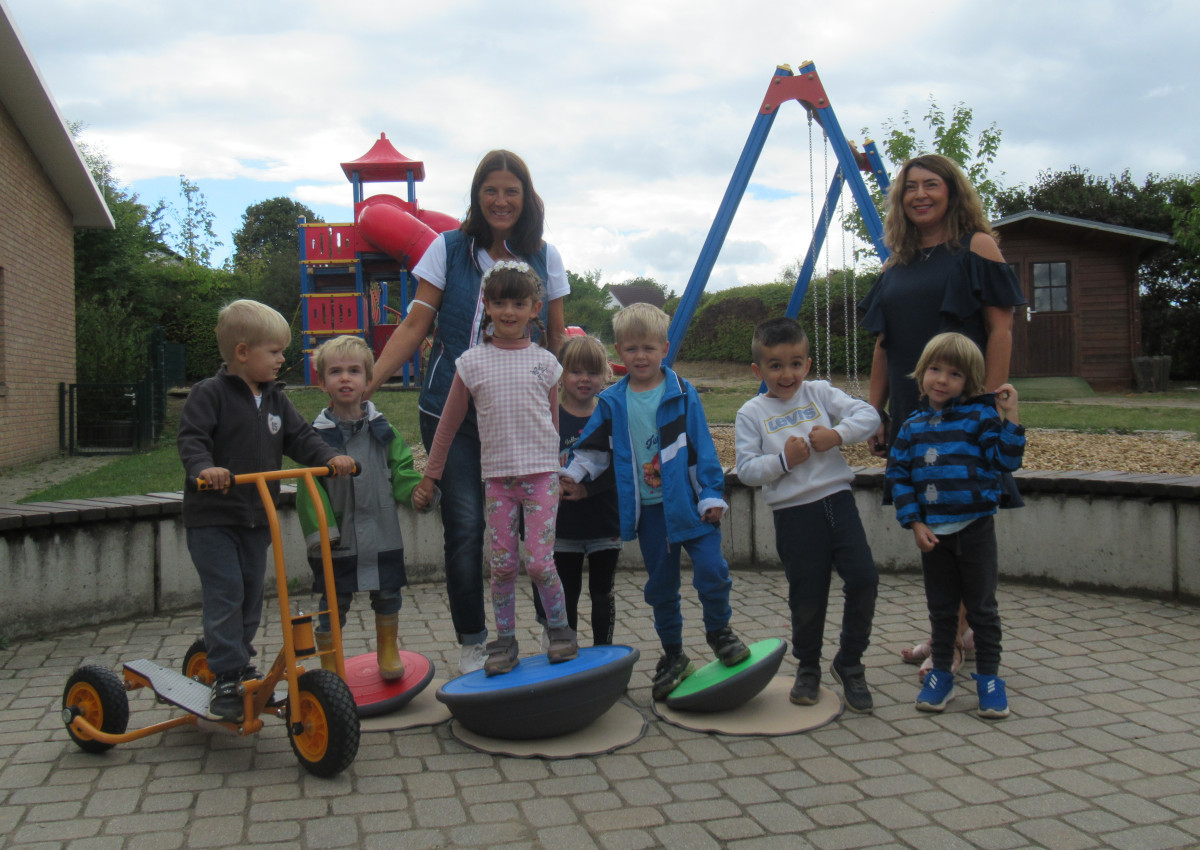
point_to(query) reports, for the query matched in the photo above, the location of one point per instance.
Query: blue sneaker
(939, 685)
(993, 702)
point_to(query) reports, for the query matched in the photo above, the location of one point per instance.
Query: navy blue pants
(813, 540)
(963, 568)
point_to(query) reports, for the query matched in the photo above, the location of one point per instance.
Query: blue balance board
(716, 687)
(538, 699)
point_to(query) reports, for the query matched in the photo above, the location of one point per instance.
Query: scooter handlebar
(199, 484)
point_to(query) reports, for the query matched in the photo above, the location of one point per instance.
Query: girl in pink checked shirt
(514, 385)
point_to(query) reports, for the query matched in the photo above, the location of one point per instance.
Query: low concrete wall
(70, 564)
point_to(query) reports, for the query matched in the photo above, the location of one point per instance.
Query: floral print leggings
(506, 499)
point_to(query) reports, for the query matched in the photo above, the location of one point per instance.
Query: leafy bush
(724, 322)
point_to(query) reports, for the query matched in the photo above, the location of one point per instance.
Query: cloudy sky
(630, 113)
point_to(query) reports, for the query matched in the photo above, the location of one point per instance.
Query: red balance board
(375, 696)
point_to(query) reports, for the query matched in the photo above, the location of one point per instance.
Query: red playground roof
(384, 164)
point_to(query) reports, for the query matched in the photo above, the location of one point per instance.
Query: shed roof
(1086, 224)
(24, 94)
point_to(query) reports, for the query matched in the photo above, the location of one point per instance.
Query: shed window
(1051, 287)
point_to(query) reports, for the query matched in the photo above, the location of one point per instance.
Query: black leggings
(602, 574)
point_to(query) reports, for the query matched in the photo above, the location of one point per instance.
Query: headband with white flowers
(506, 265)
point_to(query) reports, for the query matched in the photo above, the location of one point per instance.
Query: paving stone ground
(1101, 750)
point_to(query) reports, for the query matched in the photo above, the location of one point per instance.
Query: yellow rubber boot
(325, 647)
(386, 648)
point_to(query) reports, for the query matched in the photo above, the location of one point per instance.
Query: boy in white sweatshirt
(787, 443)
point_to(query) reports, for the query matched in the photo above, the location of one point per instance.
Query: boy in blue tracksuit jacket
(945, 467)
(650, 426)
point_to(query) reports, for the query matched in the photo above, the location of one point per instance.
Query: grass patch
(1103, 418)
(160, 470)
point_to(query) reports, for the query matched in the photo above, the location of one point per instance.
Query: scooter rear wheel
(325, 739)
(195, 663)
(98, 695)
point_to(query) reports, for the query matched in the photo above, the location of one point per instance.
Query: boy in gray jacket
(364, 531)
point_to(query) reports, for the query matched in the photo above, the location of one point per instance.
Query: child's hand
(1006, 402)
(422, 494)
(571, 491)
(713, 515)
(217, 478)
(926, 539)
(343, 465)
(877, 443)
(823, 439)
(796, 450)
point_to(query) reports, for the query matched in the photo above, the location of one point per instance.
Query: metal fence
(121, 418)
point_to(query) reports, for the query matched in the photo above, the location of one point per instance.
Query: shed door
(1050, 320)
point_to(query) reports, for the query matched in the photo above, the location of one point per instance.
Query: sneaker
(935, 693)
(854, 685)
(225, 702)
(807, 689)
(672, 669)
(727, 646)
(249, 674)
(563, 645)
(993, 701)
(471, 658)
(501, 656)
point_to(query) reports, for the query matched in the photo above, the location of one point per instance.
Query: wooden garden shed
(1080, 278)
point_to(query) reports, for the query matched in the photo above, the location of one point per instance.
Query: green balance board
(715, 687)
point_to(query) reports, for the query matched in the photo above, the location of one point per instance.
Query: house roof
(1086, 224)
(636, 293)
(24, 95)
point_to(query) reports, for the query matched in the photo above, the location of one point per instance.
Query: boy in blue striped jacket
(945, 467)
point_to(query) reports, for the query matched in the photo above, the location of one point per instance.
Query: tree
(1169, 278)
(587, 305)
(127, 280)
(952, 137)
(269, 228)
(196, 238)
(266, 251)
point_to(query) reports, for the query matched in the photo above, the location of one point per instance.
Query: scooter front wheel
(98, 695)
(325, 738)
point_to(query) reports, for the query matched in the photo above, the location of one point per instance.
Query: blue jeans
(232, 563)
(710, 576)
(813, 540)
(462, 527)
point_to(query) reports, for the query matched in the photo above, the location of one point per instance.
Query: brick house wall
(37, 302)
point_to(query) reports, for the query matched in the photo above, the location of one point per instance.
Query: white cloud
(631, 115)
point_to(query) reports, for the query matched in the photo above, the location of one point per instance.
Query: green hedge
(724, 321)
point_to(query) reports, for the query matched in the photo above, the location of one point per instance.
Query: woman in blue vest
(504, 221)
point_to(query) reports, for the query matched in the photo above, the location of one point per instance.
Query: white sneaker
(471, 658)
(545, 639)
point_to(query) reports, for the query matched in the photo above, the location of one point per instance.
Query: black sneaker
(250, 673)
(807, 689)
(728, 647)
(225, 702)
(854, 685)
(672, 669)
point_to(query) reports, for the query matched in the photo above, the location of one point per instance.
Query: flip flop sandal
(917, 654)
(928, 664)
